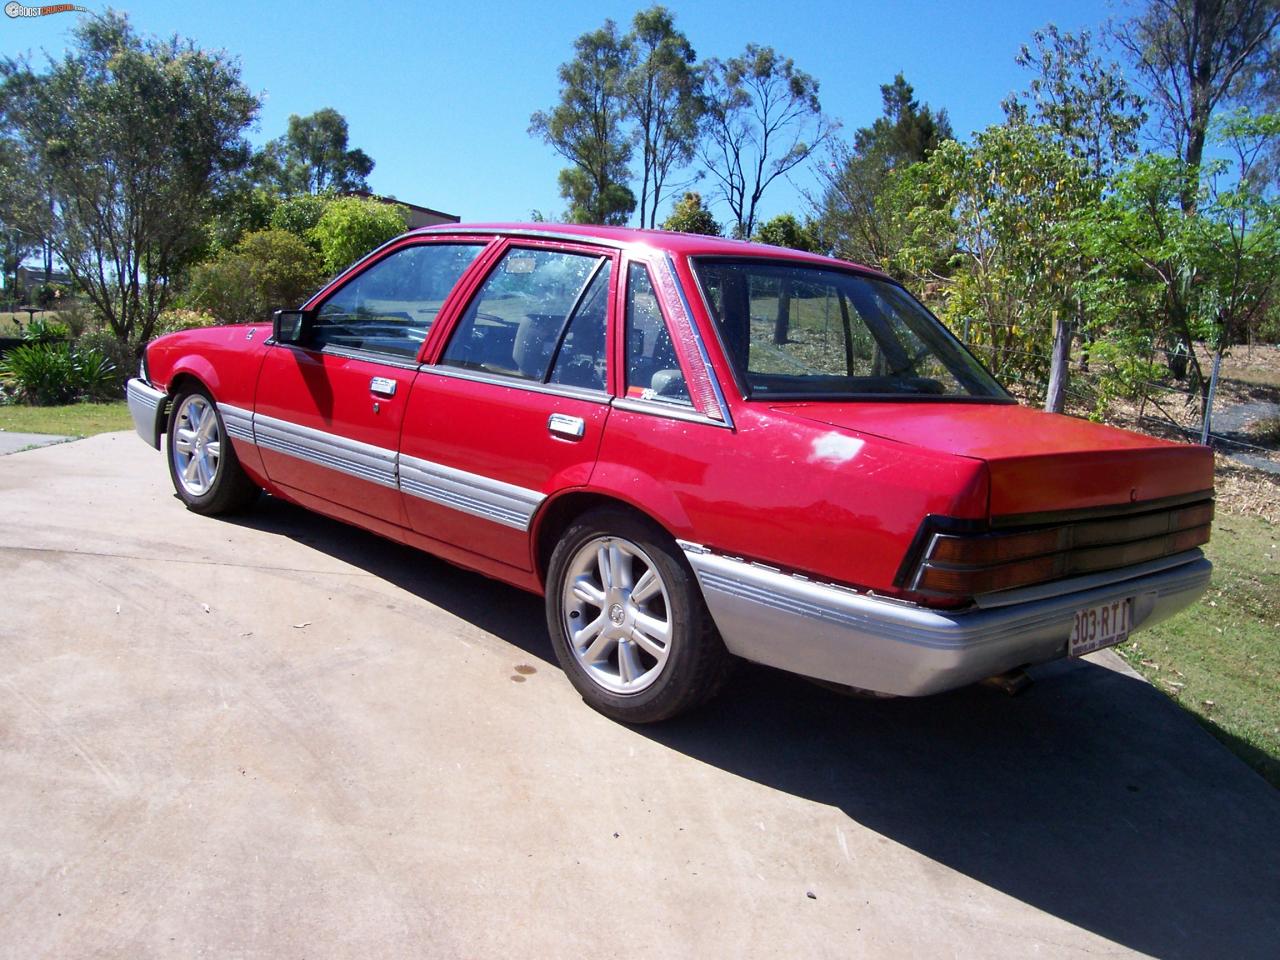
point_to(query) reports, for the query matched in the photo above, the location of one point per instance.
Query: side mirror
(291, 326)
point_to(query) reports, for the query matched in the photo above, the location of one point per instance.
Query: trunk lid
(1037, 462)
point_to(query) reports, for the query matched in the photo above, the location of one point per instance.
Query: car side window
(540, 315)
(390, 307)
(653, 370)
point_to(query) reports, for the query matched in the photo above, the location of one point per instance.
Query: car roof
(685, 244)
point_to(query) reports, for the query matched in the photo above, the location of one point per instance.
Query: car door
(514, 406)
(329, 409)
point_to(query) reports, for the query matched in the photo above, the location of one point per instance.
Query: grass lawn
(1220, 659)
(72, 420)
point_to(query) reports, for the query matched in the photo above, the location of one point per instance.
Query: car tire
(203, 465)
(628, 622)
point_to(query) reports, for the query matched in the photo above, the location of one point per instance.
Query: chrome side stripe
(363, 460)
(238, 421)
(471, 493)
(480, 496)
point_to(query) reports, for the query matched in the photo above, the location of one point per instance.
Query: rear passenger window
(390, 306)
(653, 371)
(540, 315)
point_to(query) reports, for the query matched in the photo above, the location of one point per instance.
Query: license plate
(1101, 626)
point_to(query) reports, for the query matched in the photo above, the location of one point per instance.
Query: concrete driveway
(280, 737)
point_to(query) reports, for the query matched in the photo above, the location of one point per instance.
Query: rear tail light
(965, 565)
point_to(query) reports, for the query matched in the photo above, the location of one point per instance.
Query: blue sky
(439, 94)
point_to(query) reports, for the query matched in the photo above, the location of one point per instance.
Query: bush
(51, 373)
(178, 318)
(351, 227)
(49, 294)
(124, 357)
(41, 330)
(299, 215)
(263, 272)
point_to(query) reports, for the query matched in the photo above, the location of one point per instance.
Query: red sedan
(696, 449)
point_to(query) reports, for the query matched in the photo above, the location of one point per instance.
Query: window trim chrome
(671, 411)
(533, 386)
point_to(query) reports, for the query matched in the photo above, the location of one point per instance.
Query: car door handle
(563, 425)
(383, 386)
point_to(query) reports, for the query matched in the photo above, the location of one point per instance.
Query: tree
(135, 138)
(663, 90)
(785, 230)
(1004, 209)
(854, 220)
(266, 270)
(690, 216)
(586, 128)
(763, 120)
(351, 227)
(1194, 55)
(1082, 103)
(299, 215)
(313, 157)
(1079, 99)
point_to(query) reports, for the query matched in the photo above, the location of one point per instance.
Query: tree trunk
(783, 323)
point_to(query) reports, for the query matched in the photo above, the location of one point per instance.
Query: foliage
(41, 329)
(1003, 210)
(663, 91)
(123, 356)
(351, 227)
(299, 215)
(857, 216)
(135, 138)
(690, 216)
(1079, 100)
(49, 373)
(785, 230)
(763, 120)
(244, 209)
(183, 318)
(313, 157)
(1122, 365)
(48, 294)
(586, 128)
(265, 271)
(1194, 55)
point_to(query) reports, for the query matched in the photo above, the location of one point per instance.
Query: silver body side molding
(824, 631)
(471, 493)
(147, 408)
(238, 421)
(363, 460)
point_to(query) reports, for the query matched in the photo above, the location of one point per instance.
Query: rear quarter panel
(787, 492)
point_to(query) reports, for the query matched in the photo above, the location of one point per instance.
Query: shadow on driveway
(1089, 796)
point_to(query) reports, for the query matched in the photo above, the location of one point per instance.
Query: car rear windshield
(797, 331)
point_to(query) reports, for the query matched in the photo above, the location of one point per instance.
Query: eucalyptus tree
(587, 128)
(763, 120)
(663, 90)
(135, 138)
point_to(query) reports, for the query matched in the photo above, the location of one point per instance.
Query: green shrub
(48, 294)
(265, 271)
(123, 356)
(51, 373)
(180, 318)
(41, 330)
(299, 215)
(352, 227)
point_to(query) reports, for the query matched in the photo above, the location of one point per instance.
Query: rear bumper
(834, 634)
(147, 407)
